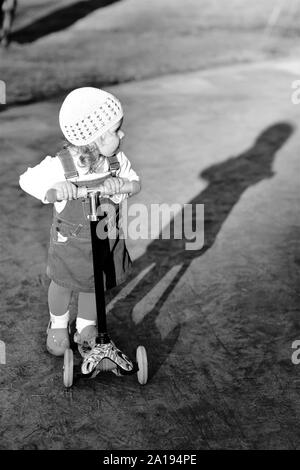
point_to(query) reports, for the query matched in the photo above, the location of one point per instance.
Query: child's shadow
(227, 182)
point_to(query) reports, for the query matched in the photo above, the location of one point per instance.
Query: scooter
(104, 355)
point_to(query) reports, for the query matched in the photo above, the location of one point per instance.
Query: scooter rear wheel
(142, 362)
(68, 368)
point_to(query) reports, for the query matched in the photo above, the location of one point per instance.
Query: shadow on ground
(227, 182)
(231, 406)
(57, 20)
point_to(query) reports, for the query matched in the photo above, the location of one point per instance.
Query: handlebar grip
(82, 192)
(51, 195)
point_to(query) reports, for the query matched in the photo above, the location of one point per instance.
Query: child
(91, 121)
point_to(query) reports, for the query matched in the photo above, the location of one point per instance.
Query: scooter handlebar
(82, 192)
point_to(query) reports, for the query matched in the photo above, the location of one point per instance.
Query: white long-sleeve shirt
(38, 180)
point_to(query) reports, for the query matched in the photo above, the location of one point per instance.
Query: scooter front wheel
(142, 362)
(68, 368)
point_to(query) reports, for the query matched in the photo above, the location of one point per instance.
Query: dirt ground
(218, 323)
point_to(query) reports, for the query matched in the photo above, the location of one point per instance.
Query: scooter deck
(99, 355)
(105, 358)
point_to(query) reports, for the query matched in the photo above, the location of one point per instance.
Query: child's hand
(111, 186)
(65, 191)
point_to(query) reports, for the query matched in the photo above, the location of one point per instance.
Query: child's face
(109, 142)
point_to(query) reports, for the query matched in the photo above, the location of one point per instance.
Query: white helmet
(87, 113)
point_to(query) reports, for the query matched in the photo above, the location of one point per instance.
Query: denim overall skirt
(70, 259)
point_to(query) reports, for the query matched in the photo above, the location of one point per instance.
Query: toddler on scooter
(91, 120)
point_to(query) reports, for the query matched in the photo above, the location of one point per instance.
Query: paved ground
(218, 322)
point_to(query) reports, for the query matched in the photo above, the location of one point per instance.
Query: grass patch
(133, 40)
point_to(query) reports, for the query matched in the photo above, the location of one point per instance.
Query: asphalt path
(219, 321)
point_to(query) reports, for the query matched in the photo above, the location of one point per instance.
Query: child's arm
(37, 180)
